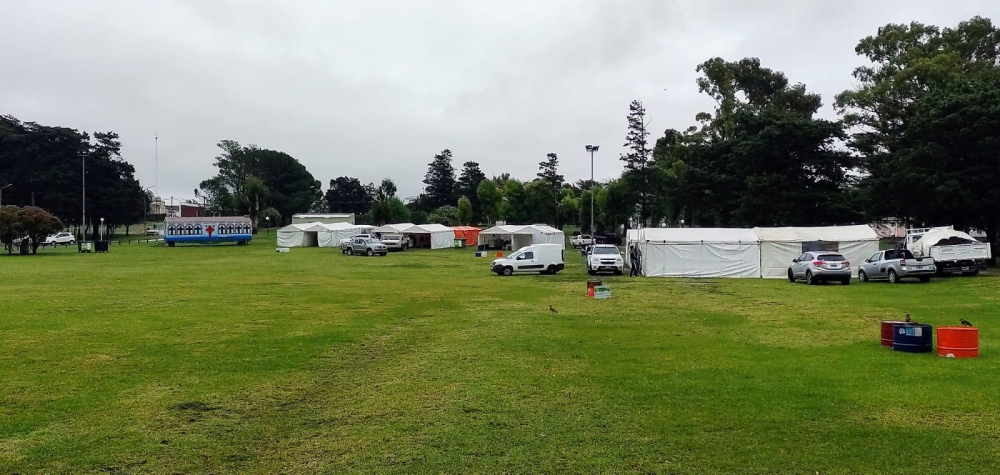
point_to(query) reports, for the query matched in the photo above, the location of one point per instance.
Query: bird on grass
(908, 320)
(554, 311)
(965, 323)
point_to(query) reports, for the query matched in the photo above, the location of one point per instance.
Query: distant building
(192, 210)
(157, 207)
(323, 218)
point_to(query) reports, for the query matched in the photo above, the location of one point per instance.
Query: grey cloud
(374, 89)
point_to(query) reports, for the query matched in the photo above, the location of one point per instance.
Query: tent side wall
(291, 238)
(701, 259)
(776, 256)
(442, 239)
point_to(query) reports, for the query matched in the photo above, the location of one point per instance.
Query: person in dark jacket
(633, 261)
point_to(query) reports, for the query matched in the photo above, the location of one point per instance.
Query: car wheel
(791, 276)
(846, 281)
(551, 270)
(809, 278)
(350, 252)
(508, 271)
(862, 276)
(925, 279)
(370, 253)
(591, 272)
(385, 254)
(893, 277)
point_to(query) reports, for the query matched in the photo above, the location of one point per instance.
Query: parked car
(896, 264)
(153, 232)
(63, 238)
(366, 246)
(605, 258)
(581, 241)
(816, 267)
(395, 242)
(612, 239)
(540, 258)
(344, 244)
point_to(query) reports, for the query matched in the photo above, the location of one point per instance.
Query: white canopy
(778, 246)
(331, 234)
(299, 235)
(435, 235)
(524, 235)
(936, 236)
(698, 252)
(393, 228)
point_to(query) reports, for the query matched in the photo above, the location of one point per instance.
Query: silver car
(816, 267)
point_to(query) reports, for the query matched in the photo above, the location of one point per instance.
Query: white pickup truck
(581, 240)
(953, 251)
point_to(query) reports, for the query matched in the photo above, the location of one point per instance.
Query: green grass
(226, 359)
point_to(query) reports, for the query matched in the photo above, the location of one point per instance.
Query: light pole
(83, 203)
(101, 230)
(592, 149)
(267, 221)
(1, 192)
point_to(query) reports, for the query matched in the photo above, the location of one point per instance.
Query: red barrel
(958, 342)
(887, 331)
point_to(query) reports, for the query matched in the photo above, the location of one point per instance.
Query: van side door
(526, 262)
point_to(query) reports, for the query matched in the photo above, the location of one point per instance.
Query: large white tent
(397, 228)
(434, 236)
(778, 246)
(699, 252)
(523, 235)
(300, 235)
(333, 233)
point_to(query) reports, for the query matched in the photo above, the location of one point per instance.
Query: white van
(540, 258)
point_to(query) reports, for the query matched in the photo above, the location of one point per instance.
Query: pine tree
(440, 181)
(637, 157)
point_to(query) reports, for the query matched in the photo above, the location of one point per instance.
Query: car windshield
(391, 237)
(831, 258)
(605, 250)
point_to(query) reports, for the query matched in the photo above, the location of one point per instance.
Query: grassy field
(226, 359)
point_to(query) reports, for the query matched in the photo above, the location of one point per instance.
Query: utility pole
(1, 192)
(592, 149)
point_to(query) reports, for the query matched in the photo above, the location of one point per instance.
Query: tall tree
(468, 186)
(550, 185)
(440, 181)
(637, 157)
(913, 73)
(348, 195)
(464, 211)
(489, 199)
(254, 199)
(291, 187)
(383, 206)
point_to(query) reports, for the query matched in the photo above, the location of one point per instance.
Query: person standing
(633, 261)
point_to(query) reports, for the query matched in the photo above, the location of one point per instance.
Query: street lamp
(1, 192)
(267, 225)
(592, 149)
(101, 231)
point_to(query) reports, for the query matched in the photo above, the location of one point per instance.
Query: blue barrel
(912, 338)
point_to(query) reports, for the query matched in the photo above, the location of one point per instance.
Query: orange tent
(469, 233)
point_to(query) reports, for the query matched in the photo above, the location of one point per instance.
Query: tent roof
(861, 232)
(303, 227)
(679, 235)
(465, 228)
(427, 229)
(521, 229)
(394, 228)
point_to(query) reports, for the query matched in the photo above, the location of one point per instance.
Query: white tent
(333, 233)
(393, 228)
(523, 235)
(300, 235)
(778, 246)
(699, 252)
(434, 236)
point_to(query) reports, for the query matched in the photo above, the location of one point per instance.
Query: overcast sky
(376, 88)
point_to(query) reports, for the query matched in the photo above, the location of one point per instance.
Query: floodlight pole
(592, 149)
(1, 192)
